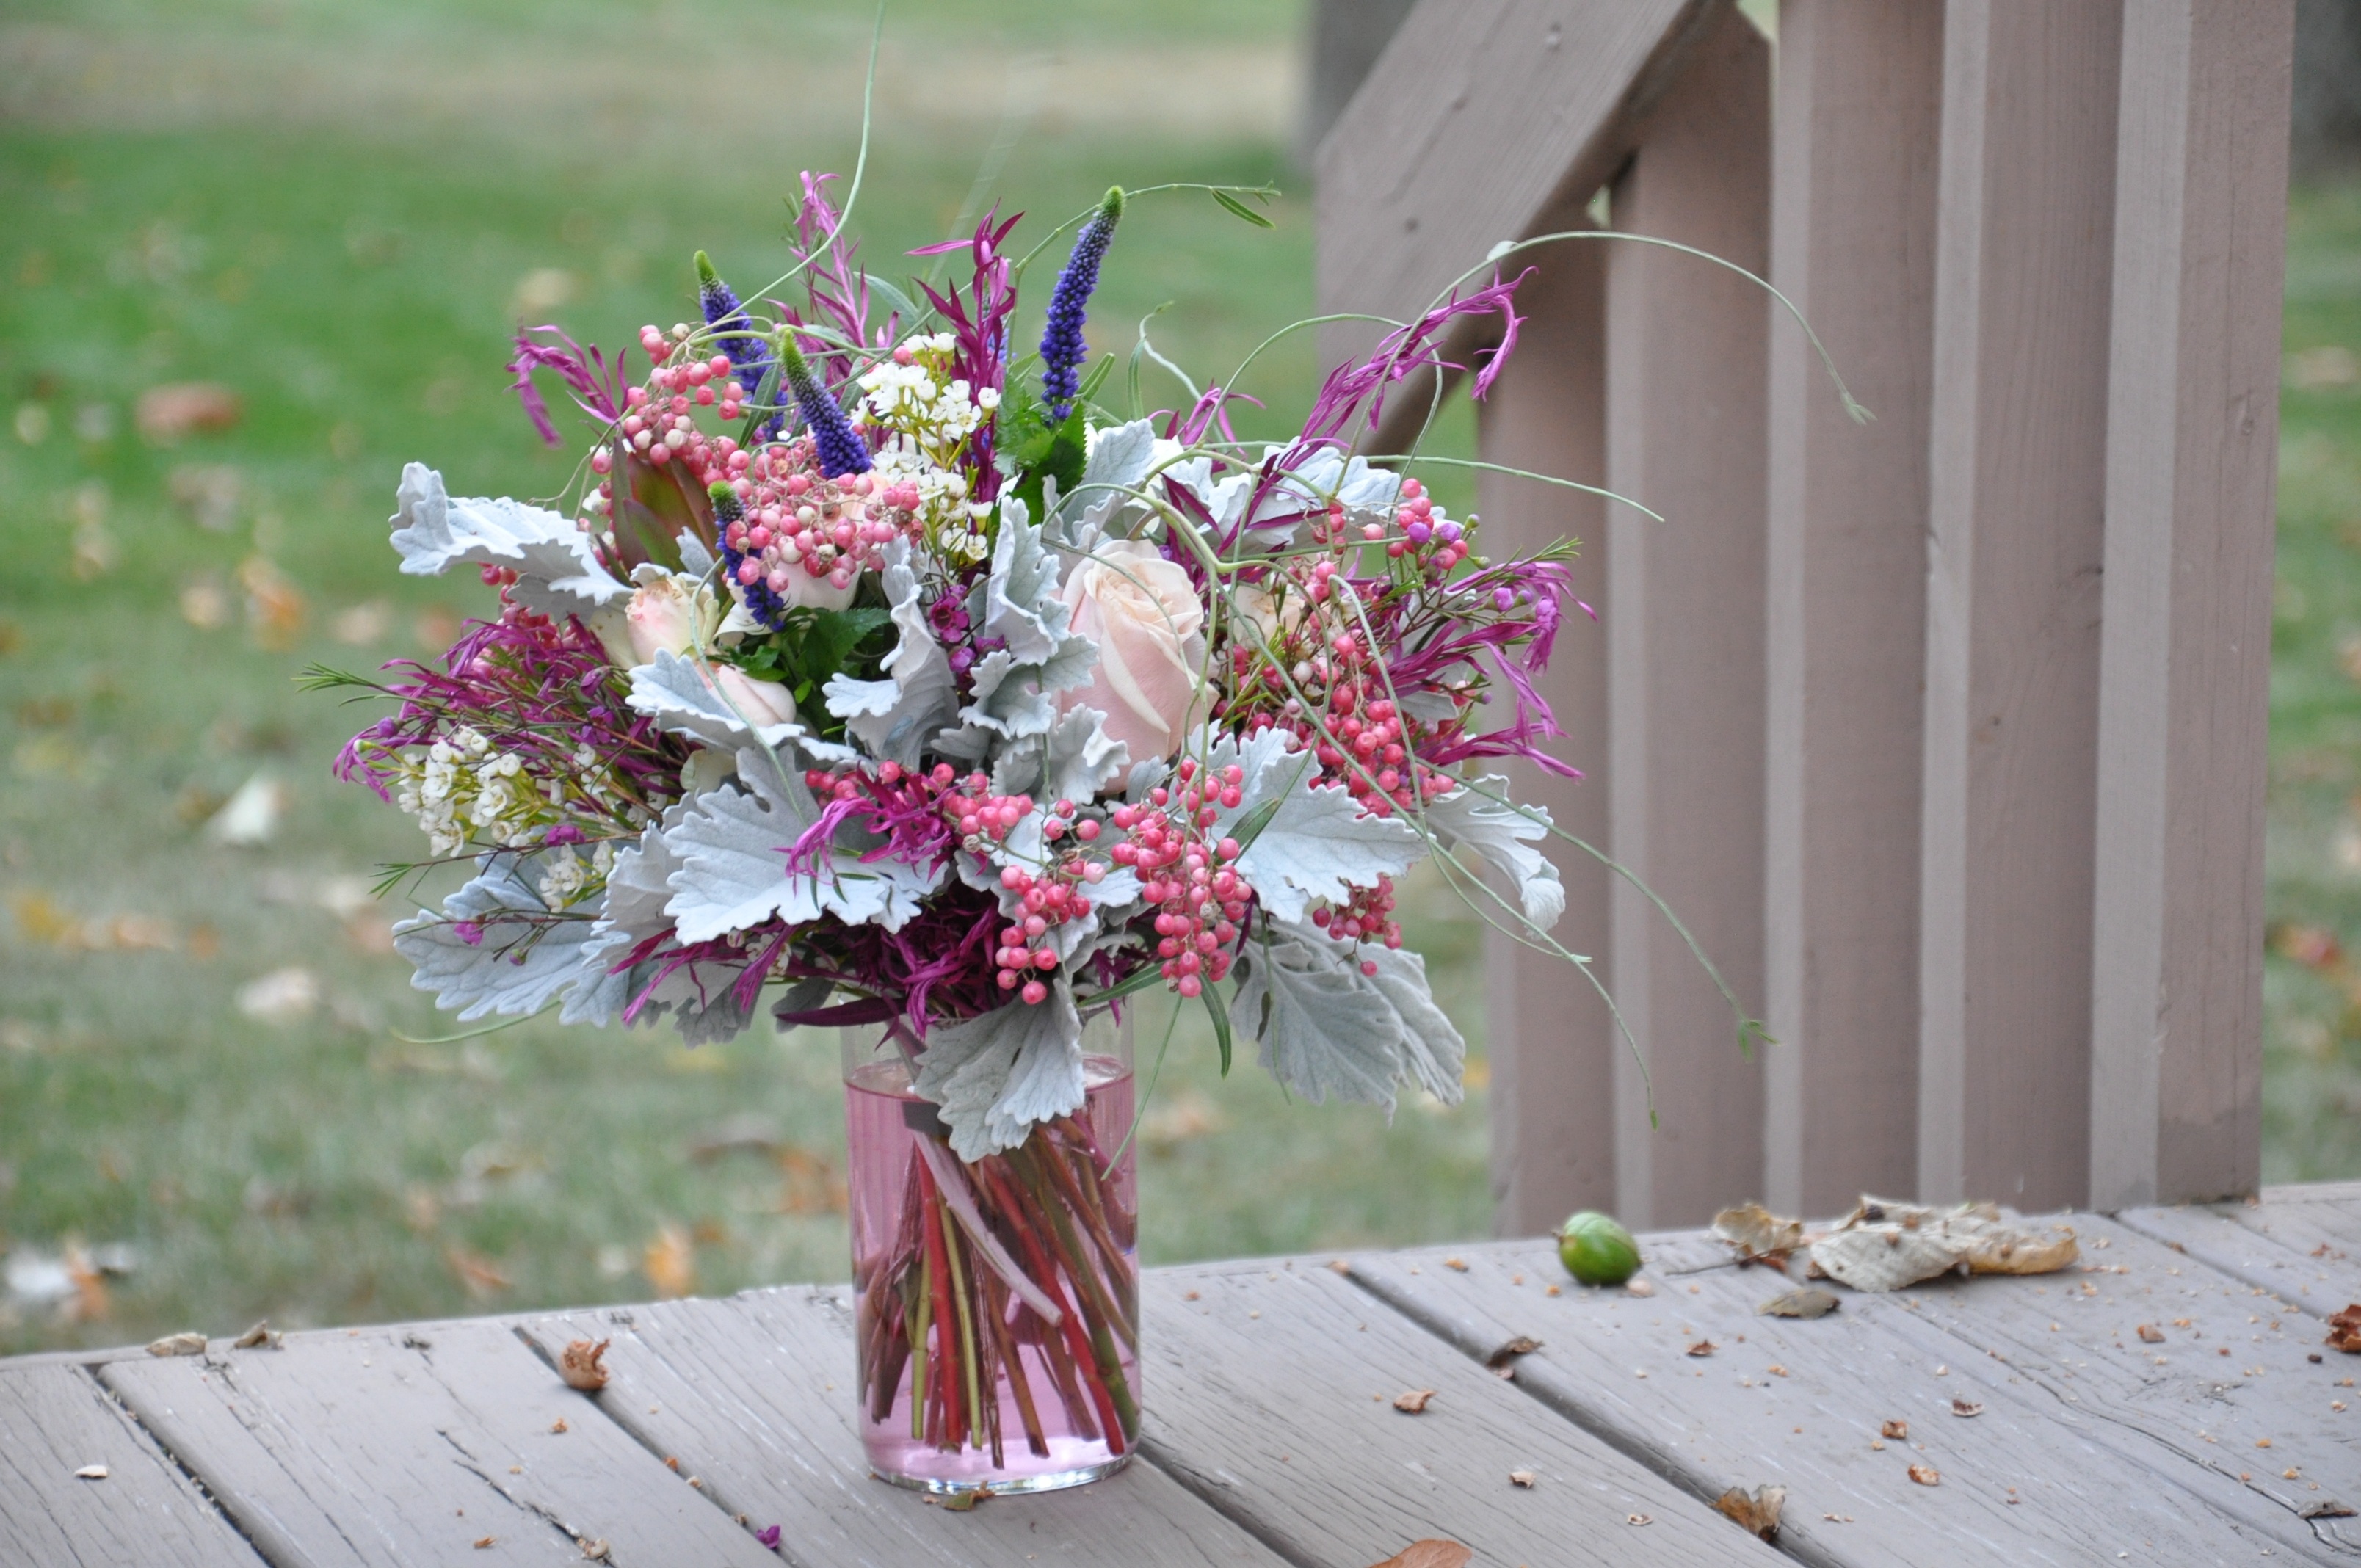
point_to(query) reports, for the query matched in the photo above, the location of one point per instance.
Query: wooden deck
(2063, 1431)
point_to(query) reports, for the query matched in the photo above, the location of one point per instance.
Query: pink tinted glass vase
(998, 1301)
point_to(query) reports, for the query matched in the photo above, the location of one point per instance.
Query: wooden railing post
(2016, 491)
(2201, 218)
(1550, 1042)
(1852, 222)
(1686, 376)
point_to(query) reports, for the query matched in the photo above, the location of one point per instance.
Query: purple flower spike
(1062, 348)
(749, 355)
(839, 449)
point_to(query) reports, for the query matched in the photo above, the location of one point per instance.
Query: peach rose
(665, 612)
(1144, 613)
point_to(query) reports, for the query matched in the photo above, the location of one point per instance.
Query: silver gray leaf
(524, 956)
(675, 693)
(1504, 835)
(998, 1075)
(557, 573)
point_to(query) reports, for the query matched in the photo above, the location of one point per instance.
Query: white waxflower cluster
(460, 788)
(915, 394)
(567, 878)
(953, 525)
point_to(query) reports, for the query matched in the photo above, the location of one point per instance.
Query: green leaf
(1239, 209)
(1215, 1010)
(897, 301)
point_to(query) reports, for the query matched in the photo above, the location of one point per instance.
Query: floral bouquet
(877, 671)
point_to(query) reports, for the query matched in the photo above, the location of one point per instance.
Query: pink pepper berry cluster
(1366, 916)
(1192, 885)
(797, 520)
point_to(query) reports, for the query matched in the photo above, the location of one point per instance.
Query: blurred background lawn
(212, 1104)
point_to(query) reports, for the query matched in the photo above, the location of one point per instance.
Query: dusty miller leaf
(1021, 605)
(524, 960)
(673, 692)
(999, 1075)
(1504, 835)
(1326, 1028)
(1319, 843)
(557, 573)
(894, 718)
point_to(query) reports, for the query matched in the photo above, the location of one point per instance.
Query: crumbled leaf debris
(2326, 1508)
(581, 1365)
(1527, 1479)
(262, 1336)
(2149, 1333)
(1966, 1408)
(1414, 1402)
(1756, 1511)
(1810, 1302)
(1926, 1476)
(1898, 1431)
(179, 1345)
(93, 1473)
(2345, 1331)
(1703, 1347)
(1508, 1350)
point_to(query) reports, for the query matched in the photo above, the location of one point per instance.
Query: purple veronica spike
(1062, 348)
(763, 604)
(841, 451)
(749, 355)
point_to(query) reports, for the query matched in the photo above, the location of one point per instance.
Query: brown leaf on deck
(1525, 1478)
(1926, 1476)
(2149, 1333)
(1758, 1235)
(1414, 1401)
(1897, 1431)
(179, 1345)
(1756, 1511)
(1966, 1408)
(2345, 1331)
(1428, 1553)
(1702, 1348)
(1808, 1302)
(579, 1365)
(484, 1542)
(1509, 1350)
(2326, 1508)
(262, 1336)
(1454, 1263)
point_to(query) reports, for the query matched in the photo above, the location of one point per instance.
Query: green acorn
(1596, 1250)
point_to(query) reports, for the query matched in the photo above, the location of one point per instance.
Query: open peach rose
(1144, 613)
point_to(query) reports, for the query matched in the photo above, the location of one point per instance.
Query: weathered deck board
(1273, 1392)
(2232, 1369)
(394, 1446)
(55, 1421)
(2034, 1478)
(2308, 1251)
(754, 1395)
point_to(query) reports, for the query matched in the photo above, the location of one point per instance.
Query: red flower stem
(1070, 1249)
(995, 1305)
(1077, 1342)
(1117, 1269)
(1068, 1245)
(946, 1353)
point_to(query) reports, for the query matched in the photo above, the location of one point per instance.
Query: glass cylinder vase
(998, 1301)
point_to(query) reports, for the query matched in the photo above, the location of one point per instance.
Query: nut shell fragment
(579, 1363)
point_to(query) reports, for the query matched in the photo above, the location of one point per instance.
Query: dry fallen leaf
(2326, 1508)
(262, 1336)
(2345, 1331)
(1757, 1511)
(1966, 1408)
(479, 1273)
(1526, 1478)
(179, 1345)
(578, 1364)
(1897, 1431)
(1758, 1234)
(1810, 1302)
(1414, 1401)
(484, 1543)
(1509, 1350)
(1926, 1476)
(2149, 1333)
(1458, 1264)
(595, 1550)
(93, 1473)
(1702, 1348)
(1428, 1553)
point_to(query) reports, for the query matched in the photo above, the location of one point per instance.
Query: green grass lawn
(206, 1058)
